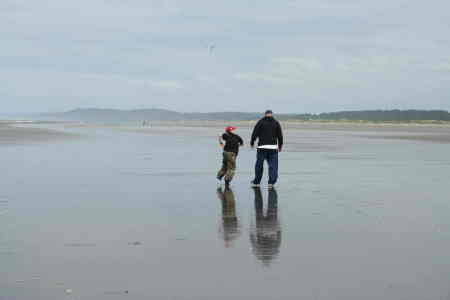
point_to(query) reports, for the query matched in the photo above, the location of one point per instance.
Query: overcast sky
(234, 55)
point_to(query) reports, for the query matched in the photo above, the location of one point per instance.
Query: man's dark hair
(268, 112)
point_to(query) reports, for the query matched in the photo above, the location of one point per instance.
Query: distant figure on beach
(230, 152)
(270, 142)
(265, 233)
(229, 229)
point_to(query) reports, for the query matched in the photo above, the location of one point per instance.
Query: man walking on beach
(270, 142)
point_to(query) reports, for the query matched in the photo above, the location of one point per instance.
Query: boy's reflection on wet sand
(229, 228)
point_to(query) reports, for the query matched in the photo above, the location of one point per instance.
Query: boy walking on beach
(230, 152)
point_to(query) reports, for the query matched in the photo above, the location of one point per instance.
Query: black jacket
(232, 142)
(268, 132)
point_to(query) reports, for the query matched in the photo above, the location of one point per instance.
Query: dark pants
(272, 159)
(228, 166)
(265, 236)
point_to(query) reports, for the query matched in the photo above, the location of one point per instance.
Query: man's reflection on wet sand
(265, 233)
(229, 229)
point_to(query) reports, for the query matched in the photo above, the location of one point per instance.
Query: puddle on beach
(125, 210)
(434, 138)
(80, 245)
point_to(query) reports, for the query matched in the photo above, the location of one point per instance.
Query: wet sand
(12, 133)
(135, 213)
(435, 138)
(431, 132)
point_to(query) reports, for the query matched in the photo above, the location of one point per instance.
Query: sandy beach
(12, 133)
(428, 132)
(125, 212)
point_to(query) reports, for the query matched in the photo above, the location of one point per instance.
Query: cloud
(329, 54)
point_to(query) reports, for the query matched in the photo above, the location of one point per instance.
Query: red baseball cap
(230, 128)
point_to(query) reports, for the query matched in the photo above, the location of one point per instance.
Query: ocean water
(135, 213)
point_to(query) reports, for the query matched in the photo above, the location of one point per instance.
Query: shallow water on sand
(125, 213)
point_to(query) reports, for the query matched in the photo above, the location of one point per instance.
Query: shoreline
(417, 123)
(388, 127)
(220, 123)
(17, 133)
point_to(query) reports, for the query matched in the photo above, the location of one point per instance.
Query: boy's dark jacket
(268, 131)
(232, 142)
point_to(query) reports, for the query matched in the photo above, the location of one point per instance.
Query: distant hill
(118, 116)
(114, 115)
(98, 115)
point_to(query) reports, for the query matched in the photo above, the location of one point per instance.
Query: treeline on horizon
(381, 115)
(114, 115)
